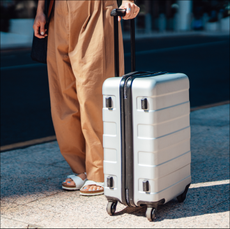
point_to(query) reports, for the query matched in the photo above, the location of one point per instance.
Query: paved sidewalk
(31, 194)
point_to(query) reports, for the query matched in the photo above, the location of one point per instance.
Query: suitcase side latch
(144, 104)
(146, 186)
(108, 103)
(110, 182)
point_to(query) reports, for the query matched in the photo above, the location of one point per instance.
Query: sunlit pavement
(31, 194)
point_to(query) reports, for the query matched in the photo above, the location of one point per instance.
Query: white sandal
(94, 192)
(78, 183)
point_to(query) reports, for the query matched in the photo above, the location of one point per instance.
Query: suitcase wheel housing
(150, 214)
(182, 196)
(111, 208)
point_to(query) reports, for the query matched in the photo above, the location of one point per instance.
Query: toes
(96, 188)
(87, 188)
(69, 181)
(92, 188)
(64, 182)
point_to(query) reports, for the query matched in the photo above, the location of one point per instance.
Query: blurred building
(16, 9)
(17, 18)
(156, 17)
(159, 16)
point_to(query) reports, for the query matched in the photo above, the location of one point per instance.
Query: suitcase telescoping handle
(121, 12)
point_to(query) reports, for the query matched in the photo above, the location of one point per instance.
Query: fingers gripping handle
(122, 12)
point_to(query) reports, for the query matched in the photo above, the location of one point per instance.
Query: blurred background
(190, 36)
(156, 16)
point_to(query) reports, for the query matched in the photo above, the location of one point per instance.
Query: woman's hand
(132, 10)
(39, 25)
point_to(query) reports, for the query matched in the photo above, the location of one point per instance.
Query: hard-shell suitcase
(146, 139)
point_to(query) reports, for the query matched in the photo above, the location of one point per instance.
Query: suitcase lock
(146, 186)
(110, 182)
(144, 104)
(108, 102)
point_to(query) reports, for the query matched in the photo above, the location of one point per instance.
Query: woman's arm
(40, 20)
(132, 9)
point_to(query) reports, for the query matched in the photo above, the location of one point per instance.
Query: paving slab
(31, 194)
(11, 223)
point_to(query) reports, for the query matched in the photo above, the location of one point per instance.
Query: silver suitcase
(146, 136)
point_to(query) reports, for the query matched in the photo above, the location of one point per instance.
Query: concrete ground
(31, 194)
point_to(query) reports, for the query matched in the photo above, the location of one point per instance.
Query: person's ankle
(82, 176)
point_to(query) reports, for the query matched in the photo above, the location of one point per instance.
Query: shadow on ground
(199, 201)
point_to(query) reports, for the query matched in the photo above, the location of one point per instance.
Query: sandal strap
(69, 176)
(77, 180)
(91, 182)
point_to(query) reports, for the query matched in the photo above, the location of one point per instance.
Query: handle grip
(118, 12)
(122, 12)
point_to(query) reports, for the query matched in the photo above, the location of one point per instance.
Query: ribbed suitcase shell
(161, 137)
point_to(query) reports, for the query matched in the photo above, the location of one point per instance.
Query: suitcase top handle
(122, 12)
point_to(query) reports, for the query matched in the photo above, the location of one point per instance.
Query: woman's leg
(65, 107)
(80, 58)
(92, 58)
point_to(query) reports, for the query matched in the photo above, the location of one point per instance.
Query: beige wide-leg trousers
(80, 58)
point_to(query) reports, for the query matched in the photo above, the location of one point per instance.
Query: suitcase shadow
(199, 201)
(131, 210)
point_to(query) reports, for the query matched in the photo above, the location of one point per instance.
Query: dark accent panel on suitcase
(127, 142)
(125, 195)
(127, 185)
